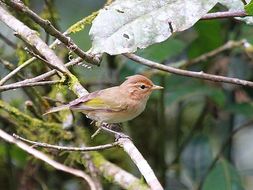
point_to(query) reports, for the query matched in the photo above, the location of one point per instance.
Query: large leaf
(223, 177)
(209, 36)
(126, 25)
(237, 5)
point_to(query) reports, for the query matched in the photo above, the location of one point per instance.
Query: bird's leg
(96, 133)
(111, 128)
(98, 124)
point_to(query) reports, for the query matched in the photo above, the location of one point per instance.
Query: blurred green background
(183, 128)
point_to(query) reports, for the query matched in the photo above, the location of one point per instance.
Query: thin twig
(29, 61)
(225, 14)
(46, 159)
(49, 73)
(65, 148)
(49, 28)
(36, 80)
(16, 70)
(31, 37)
(33, 54)
(125, 143)
(22, 85)
(200, 75)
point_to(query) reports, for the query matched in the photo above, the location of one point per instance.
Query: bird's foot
(121, 135)
(118, 135)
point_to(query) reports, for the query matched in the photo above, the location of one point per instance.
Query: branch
(116, 175)
(36, 80)
(16, 70)
(50, 73)
(200, 75)
(46, 159)
(49, 28)
(56, 42)
(39, 45)
(109, 171)
(137, 158)
(31, 37)
(21, 85)
(125, 143)
(141, 163)
(65, 148)
(226, 14)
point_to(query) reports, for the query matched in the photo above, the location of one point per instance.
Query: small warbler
(116, 104)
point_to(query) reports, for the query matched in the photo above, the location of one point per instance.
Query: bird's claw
(121, 135)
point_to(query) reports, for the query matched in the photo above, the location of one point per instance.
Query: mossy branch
(26, 122)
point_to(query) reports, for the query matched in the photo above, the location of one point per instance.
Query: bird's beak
(156, 87)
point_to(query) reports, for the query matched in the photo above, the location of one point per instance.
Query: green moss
(72, 83)
(80, 25)
(100, 162)
(140, 185)
(34, 128)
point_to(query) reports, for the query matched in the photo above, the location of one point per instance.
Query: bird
(117, 104)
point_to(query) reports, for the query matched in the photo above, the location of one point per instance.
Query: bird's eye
(142, 86)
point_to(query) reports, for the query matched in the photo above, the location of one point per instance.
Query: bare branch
(29, 61)
(49, 73)
(46, 159)
(115, 174)
(21, 85)
(143, 166)
(141, 163)
(48, 27)
(226, 14)
(125, 143)
(16, 70)
(200, 75)
(32, 38)
(36, 80)
(65, 148)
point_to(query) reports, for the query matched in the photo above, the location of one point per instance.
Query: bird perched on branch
(116, 104)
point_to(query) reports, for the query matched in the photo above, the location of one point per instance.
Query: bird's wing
(95, 102)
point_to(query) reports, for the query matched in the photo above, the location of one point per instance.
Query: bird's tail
(56, 109)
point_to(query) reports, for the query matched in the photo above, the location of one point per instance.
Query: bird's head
(139, 87)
